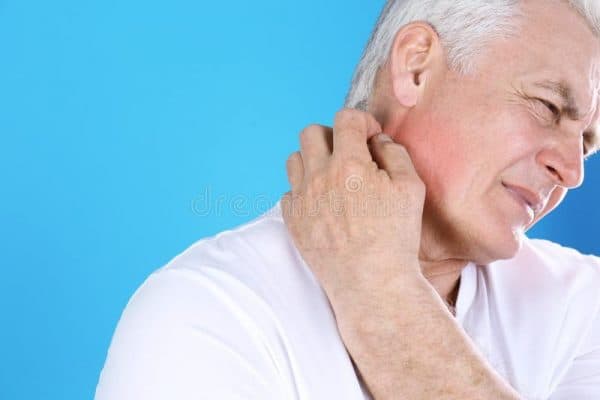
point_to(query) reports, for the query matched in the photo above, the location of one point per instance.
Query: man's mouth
(533, 202)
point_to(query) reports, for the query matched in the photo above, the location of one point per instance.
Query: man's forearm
(442, 364)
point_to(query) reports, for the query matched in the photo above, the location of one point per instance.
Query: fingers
(315, 146)
(393, 158)
(351, 131)
(295, 170)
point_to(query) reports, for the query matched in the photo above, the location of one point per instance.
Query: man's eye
(551, 107)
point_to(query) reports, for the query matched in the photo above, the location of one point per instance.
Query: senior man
(397, 266)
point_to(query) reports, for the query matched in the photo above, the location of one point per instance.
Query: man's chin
(503, 249)
(556, 197)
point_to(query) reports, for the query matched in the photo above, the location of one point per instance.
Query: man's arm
(420, 351)
(181, 337)
(355, 215)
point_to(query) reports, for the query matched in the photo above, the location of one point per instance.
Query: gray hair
(465, 28)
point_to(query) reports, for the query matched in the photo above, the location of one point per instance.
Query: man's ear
(415, 52)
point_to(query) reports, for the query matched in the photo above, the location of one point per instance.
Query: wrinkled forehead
(557, 43)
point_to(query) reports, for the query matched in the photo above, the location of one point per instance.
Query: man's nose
(563, 162)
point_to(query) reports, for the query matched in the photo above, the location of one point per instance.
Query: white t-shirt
(240, 316)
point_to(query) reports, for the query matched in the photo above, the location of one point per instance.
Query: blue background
(118, 118)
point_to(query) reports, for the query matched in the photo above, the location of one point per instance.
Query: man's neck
(444, 277)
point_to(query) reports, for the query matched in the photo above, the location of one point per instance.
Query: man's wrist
(366, 327)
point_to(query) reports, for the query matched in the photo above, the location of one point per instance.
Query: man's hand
(355, 212)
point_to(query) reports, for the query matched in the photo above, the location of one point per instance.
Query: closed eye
(589, 145)
(551, 107)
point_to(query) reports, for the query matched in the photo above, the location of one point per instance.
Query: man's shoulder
(255, 260)
(247, 292)
(545, 272)
(259, 254)
(243, 295)
(544, 301)
(554, 247)
(559, 259)
(239, 280)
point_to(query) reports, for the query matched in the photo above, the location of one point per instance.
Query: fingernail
(382, 137)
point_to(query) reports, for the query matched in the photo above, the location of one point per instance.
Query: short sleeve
(184, 336)
(582, 380)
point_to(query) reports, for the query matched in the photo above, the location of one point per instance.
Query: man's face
(488, 144)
